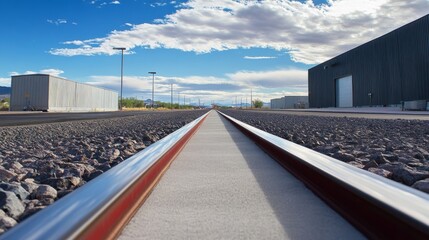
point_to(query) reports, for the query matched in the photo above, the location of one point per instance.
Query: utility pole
(251, 99)
(122, 72)
(153, 87)
(171, 96)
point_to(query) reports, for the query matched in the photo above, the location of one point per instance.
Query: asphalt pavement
(373, 113)
(30, 118)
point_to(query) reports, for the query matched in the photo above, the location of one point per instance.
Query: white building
(41, 92)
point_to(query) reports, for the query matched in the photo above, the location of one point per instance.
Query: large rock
(57, 183)
(16, 165)
(45, 191)
(407, 175)
(10, 204)
(93, 175)
(371, 164)
(6, 175)
(29, 185)
(7, 222)
(379, 158)
(115, 154)
(381, 172)
(16, 188)
(422, 185)
(345, 157)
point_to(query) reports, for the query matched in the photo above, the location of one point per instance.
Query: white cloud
(13, 73)
(53, 72)
(158, 4)
(50, 71)
(310, 33)
(115, 2)
(75, 42)
(265, 85)
(5, 82)
(292, 78)
(258, 57)
(57, 21)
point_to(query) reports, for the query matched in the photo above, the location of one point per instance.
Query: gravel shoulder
(397, 149)
(42, 163)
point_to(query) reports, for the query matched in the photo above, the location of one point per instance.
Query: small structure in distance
(42, 92)
(289, 102)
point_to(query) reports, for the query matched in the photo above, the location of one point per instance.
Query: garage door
(344, 90)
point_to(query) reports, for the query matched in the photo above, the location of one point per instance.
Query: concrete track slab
(222, 186)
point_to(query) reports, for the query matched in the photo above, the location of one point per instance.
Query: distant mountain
(5, 90)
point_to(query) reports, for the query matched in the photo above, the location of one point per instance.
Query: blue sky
(210, 50)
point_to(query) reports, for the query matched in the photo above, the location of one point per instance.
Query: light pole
(171, 97)
(251, 99)
(153, 86)
(122, 72)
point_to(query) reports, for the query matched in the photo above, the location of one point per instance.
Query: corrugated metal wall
(44, 92)
(66, 95)
(288, 102)
(393, 68)
(62, 94)
(29, 92)
(277, 103)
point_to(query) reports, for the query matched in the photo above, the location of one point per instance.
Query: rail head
(85, 212)
(379, 207)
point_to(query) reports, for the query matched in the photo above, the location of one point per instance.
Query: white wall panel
(62, 93)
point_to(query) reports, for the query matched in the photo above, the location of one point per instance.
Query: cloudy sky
(215, 50)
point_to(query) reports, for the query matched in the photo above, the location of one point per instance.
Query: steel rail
(379, 207)
(102, 207)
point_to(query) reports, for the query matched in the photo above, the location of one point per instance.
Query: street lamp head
(119, 48)
(152, 72)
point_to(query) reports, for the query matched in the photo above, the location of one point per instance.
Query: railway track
(377, 207)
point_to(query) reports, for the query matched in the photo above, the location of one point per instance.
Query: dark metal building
(289, 102)
(386, 71)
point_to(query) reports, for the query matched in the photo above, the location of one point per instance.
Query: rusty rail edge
(102, 207)
(380, 208)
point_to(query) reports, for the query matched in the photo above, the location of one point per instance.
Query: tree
(258, 103)
(132, 103)
(4, 104)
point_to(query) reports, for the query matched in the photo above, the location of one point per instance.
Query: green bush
(4, 104)
(257, 103)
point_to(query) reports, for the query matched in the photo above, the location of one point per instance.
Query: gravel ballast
(42, 163)
(395, 149)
